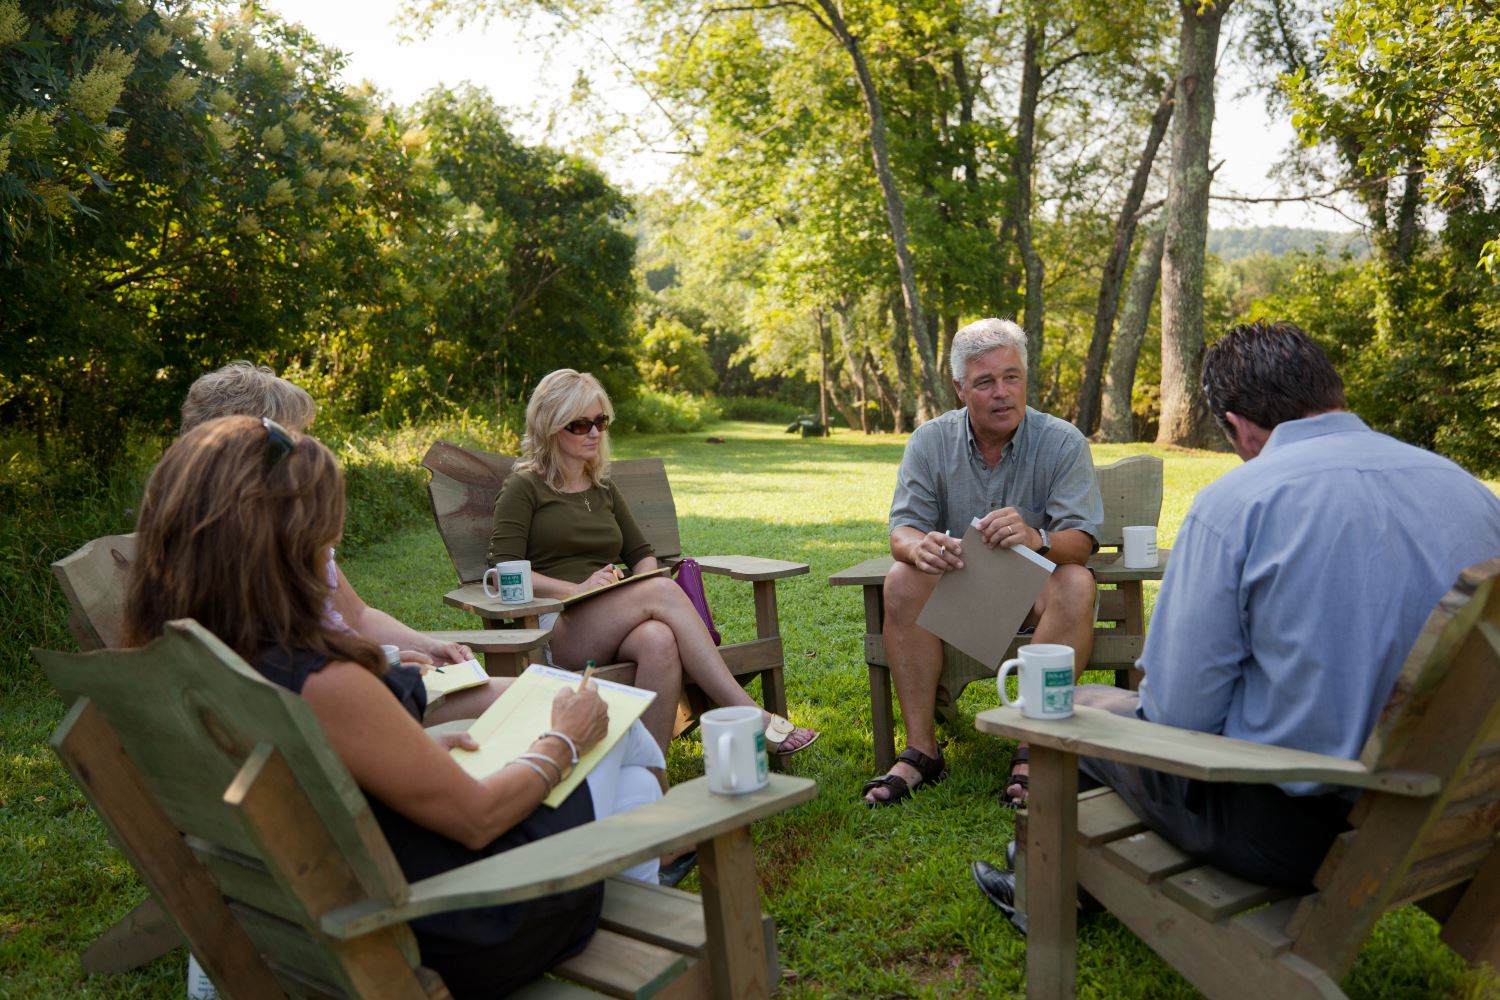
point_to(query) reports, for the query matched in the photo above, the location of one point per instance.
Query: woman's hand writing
(582, 715)
(602, 577)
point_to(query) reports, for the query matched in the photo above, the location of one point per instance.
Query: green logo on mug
(1057, 690)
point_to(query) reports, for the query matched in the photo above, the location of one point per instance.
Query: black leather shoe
(675, 872)
(999, 888)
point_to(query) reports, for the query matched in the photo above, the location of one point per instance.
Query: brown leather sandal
(932, 770)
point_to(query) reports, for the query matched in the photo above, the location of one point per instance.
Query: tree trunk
(1406, 215)
(901, 351)
(854, 366)
(895, 207)
(1184, 418)
(1022, 162)
(1118, 422)
(889, 395)
(950, 327)
(824, 343)
(1114, 269)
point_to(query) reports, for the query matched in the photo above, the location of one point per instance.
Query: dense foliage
(178, 191)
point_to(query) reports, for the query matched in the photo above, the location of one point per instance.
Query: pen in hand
(588, 671)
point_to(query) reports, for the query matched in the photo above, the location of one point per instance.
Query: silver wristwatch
(1046, 545)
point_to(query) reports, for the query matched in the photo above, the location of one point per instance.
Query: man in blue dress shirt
(1298, 584)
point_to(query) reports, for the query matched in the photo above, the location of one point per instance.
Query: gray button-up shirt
(1045, 472)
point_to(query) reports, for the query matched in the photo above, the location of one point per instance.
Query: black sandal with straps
(932, 770)
(1018, 756)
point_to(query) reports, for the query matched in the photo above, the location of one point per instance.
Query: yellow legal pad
(509, 726)
(451, 677)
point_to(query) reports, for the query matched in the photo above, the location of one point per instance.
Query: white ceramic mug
(512, 581)
(1044, 676)
(1140, 546)
(734, 750)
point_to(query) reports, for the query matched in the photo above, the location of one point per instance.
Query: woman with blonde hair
(234, 532)
(559, 509)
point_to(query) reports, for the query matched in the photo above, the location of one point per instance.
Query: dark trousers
(1256, 832)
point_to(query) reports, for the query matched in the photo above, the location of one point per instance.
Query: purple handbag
(690, 578)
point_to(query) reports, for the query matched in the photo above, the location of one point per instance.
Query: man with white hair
(1029, 478)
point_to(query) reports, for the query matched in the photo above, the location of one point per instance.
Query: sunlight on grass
(867, 903)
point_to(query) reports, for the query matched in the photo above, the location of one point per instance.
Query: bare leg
(1064, 613)
(469, 703)
(654, 649)
(598, 628)
(915, 656)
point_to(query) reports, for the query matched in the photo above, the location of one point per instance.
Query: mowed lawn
(867, 903)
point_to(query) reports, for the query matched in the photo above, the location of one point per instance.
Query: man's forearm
(904, 541)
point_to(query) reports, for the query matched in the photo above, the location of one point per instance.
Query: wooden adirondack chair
(1131, 489)
(1426, 828)
(95, 578)
(465, 483)
(224, 793)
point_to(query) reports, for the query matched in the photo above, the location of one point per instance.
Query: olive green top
(567, 536)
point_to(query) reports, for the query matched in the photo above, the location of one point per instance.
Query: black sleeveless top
(494, 950)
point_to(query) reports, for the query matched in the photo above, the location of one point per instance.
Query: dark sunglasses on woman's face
(582, 424)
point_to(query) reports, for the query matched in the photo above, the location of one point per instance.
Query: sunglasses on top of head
(582, 425)
(279, 443)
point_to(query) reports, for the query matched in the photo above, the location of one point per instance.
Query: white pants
(622, 781)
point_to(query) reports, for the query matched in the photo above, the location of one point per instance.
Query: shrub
(652, 412)
(759, 409)
(52, 502)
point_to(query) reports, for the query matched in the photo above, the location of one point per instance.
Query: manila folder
(977, 609)
(509, 726)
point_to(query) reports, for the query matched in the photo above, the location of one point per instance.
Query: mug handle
(485, 583)
(726, 740)
(1000, 683)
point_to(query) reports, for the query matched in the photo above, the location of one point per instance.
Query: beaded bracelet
(535, 767)
(545, 760)
(572, 747)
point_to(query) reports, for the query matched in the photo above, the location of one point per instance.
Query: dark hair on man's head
(1269, 373)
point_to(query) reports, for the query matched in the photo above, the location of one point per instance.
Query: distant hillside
(1232, 244)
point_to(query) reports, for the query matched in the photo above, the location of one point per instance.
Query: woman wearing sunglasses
(234, 531)
(559, 509)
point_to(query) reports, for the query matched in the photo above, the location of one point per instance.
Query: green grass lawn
(867, 903)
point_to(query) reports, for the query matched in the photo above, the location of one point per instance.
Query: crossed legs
(653, 624)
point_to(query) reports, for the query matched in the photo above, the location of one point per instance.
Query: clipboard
(569, 601)
(978, 609)
(509, 726)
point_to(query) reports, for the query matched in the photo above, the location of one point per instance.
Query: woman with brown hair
(559, 509)
(234, 532)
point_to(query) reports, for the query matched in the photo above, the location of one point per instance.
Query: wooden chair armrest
(688, 814)
(1109, 567)
(1094, 732)
(471, 597)
(489, 640)
(871, 572)
(752, 568)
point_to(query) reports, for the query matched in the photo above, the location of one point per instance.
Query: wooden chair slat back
(643, 484)
(1441, 718)
(1131, 489)
(1450, 640)
(466, 481)
(189, 712)
(94, 579)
